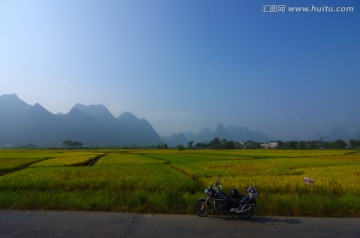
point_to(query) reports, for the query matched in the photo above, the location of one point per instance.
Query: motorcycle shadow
(262, 220)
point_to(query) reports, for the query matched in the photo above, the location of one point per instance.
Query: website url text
(307, 9)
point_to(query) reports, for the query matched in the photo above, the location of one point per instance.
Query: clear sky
(186, 64)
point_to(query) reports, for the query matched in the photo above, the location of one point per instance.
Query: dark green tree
(339, 144)
(291, 145)
(190, 144)
(300, 145)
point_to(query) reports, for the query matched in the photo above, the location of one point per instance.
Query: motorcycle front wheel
(201, 208)
(247, 214)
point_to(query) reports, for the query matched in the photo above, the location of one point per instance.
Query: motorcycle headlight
(208, 192)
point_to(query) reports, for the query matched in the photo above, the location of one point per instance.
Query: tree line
(217, 143)
(69, 144)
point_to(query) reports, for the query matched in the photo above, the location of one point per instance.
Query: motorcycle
(217, 201)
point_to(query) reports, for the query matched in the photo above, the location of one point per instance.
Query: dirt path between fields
(41, 224)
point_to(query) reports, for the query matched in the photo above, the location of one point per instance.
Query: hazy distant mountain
(241, 134)
(107, 122)
(337, 133)
(83, 127)
(206, 135)
(221, 133)
(189, 136)
(39, 126)
(135, 131)
(21, 124)
(244, 134)
(94, 125)
(100, 112)
(12, 112)
(175, 139)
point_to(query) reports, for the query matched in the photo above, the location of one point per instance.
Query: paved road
(110, 224)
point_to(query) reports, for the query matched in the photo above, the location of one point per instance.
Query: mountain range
(94, 125)
(206, 134)
(241, 134)
(21, 124)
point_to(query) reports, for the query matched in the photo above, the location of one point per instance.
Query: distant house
(270, 145)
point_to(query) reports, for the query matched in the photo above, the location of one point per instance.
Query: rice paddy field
(170, 181)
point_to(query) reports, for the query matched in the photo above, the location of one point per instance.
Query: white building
(270, 145)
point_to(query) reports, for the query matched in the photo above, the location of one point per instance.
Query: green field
(170, 181)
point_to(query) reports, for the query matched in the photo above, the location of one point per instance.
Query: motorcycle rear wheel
(248, 214)
(201, 208)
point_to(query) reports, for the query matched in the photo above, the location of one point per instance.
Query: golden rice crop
(171, 180)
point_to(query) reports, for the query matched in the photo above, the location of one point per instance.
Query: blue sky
(186, 64)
